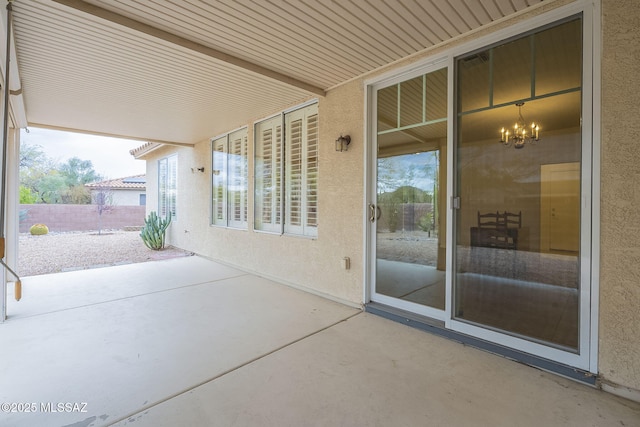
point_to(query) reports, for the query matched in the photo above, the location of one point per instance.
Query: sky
(110, 156)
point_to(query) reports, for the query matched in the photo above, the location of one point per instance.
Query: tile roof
(135, 182)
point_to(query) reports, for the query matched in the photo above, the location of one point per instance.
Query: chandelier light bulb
(520, 135)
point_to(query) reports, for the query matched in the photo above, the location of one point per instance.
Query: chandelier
(520, 134)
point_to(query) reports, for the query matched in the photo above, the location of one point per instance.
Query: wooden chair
(497, 230)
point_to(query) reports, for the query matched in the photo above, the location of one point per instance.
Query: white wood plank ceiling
(186, 70)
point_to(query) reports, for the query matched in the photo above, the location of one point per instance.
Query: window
(301, 213)
(167, 186)
(268, 175)
(287, 166)
(229, 180)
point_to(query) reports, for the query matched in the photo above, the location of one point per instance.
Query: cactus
(154, 230)
(38, 229)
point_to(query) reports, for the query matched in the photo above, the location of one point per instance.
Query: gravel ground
(408, 246)
(57, 252)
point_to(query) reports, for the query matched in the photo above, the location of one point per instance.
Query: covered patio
(189, 341)
(272, 332)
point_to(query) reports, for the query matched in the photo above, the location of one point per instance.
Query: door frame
(371, 189)
(587, 358)
(545, 204)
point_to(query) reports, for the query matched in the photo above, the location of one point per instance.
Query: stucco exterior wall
(127, 197)
(620, 200)
(130, 197)
(315, 264)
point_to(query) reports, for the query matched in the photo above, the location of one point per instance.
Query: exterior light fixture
(520, 134)
(342, 143)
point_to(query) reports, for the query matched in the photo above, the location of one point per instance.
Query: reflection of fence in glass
(408, 191)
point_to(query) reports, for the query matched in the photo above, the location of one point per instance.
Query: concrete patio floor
(190, 342)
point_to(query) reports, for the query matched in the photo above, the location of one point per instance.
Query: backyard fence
(80, 217)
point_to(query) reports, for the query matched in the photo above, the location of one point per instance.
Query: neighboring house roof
(135, 182)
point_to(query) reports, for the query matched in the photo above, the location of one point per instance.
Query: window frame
(590, 123)
(168, 186)
(279, 173)
(274, 127)
(230, 169)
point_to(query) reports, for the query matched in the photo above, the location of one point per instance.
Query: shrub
(38, 229)
(426, 222)
(154, 231)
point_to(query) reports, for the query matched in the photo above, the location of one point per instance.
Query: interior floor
(544, 312)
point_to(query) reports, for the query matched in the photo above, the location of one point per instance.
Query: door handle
(374, 212)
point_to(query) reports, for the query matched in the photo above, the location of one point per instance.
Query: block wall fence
(80, 217)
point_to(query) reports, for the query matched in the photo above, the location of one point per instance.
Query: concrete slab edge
(517, 356)
(618, 390)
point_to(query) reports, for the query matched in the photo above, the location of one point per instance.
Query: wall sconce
(342, 143)
(197, 169)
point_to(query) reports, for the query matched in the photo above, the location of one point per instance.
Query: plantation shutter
(218, 181)
(162, 188)
(268, 175)
(172, 186)
(237, 183)
(301, 141)
(311, 174)
(293, 221)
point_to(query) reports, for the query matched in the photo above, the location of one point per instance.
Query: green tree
(76, 195)
(35, 166)
(50, 182)
(51, 188)
(32, 156)
(26, 196)
(78, 172)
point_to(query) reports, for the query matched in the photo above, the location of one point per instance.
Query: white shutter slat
(218, 181)
(173, 185)
(268, 175)
(312, 171)
(237, 179)
(162, 187)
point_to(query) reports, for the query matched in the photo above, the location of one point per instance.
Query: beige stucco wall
(125, 197)
(620, 210)
(315, 264)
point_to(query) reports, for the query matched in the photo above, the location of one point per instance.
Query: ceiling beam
(188, 44)
(111, 135)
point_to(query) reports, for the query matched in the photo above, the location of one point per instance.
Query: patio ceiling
(182, 71)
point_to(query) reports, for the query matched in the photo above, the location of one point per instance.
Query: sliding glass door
(518, 163)
(408, 212)
(501, 253)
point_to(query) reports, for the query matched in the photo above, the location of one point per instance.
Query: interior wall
(619, 351)
(498, 178)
